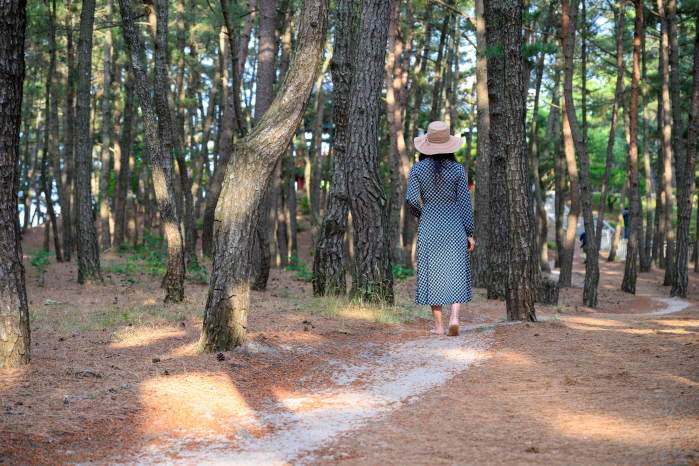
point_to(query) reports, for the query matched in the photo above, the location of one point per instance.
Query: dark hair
(440, 158)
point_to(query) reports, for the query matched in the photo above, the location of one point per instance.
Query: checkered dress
(446, 219)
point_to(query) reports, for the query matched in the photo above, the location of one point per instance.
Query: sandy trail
(305, 422)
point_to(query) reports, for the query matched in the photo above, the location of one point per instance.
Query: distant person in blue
(583, 238)
(626, 223)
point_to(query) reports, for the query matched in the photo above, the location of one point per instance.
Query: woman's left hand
(471, 244)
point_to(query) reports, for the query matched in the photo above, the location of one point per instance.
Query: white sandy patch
(363, 392)
(673, 305)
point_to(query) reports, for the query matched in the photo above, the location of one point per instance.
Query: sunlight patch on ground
(142, 336)
(378, 384)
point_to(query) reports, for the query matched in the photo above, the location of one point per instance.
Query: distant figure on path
(583, 238)
(445, 232)
(626, 223)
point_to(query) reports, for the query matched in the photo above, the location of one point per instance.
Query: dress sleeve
(412, 196)
(464, 201)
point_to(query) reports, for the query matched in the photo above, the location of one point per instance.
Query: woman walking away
(445, 232)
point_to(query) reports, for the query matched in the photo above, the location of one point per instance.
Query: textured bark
(68, 139)
(506, 93)
(647, 246)
(566, 272)
(498, 257)
(291, 203)
(666, 143)
(628, 283)
(395, 132)
(419, 80)
(674, 63)
(373, 275)
(88, 250)
(659, 221)
(329, 273)
(14, 314)
(314, 176)
(125, 191)
(620, 16)
(685, 193)
(46, 183)
(437, 82)
(160, 155)
(479, 256)
(282, 228)
(554, 138)
(225, 316)
(106, 155)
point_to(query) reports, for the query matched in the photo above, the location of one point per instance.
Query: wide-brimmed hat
(438, 140)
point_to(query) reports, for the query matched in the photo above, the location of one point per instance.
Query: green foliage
(305, 206)
(550, 245)
(302, 269)
(200, 275)
(401, 272)
(40, 262)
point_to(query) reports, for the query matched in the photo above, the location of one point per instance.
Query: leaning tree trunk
(373, 276)
(666, 143)
(106, 155)
(328, 264)
(499, 222)
(686, 191)
(14, 313)
(88, 250)
(647, 244)
(628, 283)
(255, 156)
(620, 17)
(504, 31)
(566, 271)
(160, 162)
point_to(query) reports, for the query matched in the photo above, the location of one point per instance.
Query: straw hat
(438, 140)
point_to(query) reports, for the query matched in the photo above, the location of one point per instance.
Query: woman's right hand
(471, 244)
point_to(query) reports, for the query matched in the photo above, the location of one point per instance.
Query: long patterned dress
(446, 220)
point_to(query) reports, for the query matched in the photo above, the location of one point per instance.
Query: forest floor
(115, 378)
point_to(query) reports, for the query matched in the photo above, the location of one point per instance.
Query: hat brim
(426, 147)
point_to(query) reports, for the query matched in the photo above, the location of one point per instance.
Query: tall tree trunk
(126, 171)
(559, 169)
(506, 95)
(686, 190)
(566, 272)
(619, 16)
(282, 228)
(291, 203)
(674, 63)
(69, 138)
(106, 155)
(373, 275)
(88, 250)
(437, 83)
(14, 313)
(647, 246)
(225, 316)
(659, 222)
(329, 259)
(667, 149)
(419, 80)
(628, 283)
(160, 155)
(479, 256)
(46, 183)
(395, 126)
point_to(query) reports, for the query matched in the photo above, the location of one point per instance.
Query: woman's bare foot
(453, 330)
(437, 331)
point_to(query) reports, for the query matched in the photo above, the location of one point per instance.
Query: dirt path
(115, 378)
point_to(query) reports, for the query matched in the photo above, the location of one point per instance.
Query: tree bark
(498, 258)
(291, 203)
(620, 16)
(659, 222)
(686, 190)
(674, 64)
(125, 191)
(506, 96)
(225, 316)
(14, 313)
(437, 83)
(88, 250)
(566, 271)
(373, 275)
(559, 169)
(329, 273)
(106, 155)
(619, 221)
(628, 283)
(667, 150)
(647, 246)
(479, 257)
(69, 139)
